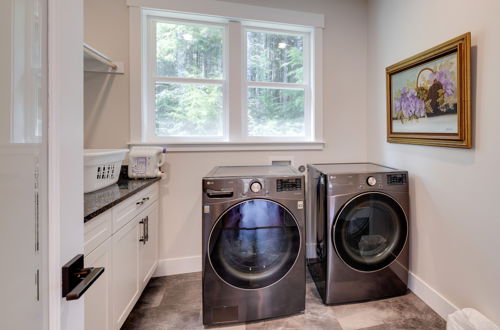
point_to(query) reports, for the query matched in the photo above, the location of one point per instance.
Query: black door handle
(76, 279)
(87, 281)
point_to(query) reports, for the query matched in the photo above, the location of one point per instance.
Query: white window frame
(238, 18)
(152, 78)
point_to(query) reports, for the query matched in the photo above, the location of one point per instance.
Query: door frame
(65, 154)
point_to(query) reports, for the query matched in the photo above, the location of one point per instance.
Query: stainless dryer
(358, 231)
(253, 243)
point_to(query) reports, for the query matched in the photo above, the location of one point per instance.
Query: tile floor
(174, 302)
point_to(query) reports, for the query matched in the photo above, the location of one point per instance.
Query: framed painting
(428, 97)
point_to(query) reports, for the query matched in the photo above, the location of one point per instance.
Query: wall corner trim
(430, 296)
(174, 266)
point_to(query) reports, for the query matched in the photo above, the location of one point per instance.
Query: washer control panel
(396, 179)
(288, 184)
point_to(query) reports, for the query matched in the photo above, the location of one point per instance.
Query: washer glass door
(370, 231)
(254, 244)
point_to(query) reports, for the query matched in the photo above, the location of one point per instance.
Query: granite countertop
(101, 200)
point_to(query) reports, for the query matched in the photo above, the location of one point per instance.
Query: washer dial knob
(371, 181)
(255, 187)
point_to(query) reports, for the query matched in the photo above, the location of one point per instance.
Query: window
(207, 79)
(277, 84)
(188, 79)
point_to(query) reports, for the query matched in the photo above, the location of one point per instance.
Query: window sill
(234, 146)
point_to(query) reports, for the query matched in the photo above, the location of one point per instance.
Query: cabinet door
(125, 283)
(98, 296)
(148, 250)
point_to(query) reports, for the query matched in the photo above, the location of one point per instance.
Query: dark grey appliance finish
(358, 231)
(253, 243)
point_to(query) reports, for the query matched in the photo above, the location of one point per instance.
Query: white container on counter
(101, 167)
(145, 162)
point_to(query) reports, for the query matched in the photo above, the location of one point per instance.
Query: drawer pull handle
(144, 237)
(145, 199)
(139, 203)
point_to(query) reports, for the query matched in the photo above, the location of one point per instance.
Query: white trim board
(174, 266)
(234, 10)
(233, 146)
(430, 296)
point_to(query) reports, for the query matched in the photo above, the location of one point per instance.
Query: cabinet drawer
(132, 206)
(97, 231)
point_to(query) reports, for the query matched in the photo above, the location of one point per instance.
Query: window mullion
(234, 81)
(276, 85)
(189, 80)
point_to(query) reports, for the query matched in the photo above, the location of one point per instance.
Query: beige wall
(106, 97)
(455, 243)
(107, 111)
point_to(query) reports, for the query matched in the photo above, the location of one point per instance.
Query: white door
(23, 164)
(41, 119)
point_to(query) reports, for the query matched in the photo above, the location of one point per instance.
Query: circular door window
(254, 244)
(370, 232)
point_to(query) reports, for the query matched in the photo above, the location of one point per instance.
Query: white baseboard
(430, 296)
(175, 266)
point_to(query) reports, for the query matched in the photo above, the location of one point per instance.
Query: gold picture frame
(428, 97)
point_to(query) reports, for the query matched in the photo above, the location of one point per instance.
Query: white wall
(107, 122)
(454, 194)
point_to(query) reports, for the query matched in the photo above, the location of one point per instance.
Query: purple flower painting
(428, 96)
(409, 105)
(425, 91)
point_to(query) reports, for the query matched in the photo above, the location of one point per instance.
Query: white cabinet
(98, 296)
(148, 247)
(128, 249)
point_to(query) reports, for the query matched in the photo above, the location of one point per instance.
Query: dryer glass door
(254, 244)
(370, 232)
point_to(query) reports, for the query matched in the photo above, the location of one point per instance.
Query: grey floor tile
(174, 302)
(405, 312)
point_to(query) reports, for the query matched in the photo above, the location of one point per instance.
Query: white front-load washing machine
(358, 231)
(253, 243)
